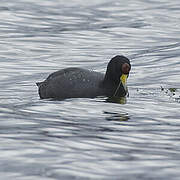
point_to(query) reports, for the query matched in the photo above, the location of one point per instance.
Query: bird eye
(125, 68)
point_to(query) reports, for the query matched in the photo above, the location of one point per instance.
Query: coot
(83, 83)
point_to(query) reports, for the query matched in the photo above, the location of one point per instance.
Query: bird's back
(70, 83)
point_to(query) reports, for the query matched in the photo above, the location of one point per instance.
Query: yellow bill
(123, 79)
(122, 89)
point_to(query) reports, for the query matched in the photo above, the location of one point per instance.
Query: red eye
(125, 68)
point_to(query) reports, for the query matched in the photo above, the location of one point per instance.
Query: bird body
(82, 83)
(72, 83)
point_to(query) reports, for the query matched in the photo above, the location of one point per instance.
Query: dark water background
(89, 138)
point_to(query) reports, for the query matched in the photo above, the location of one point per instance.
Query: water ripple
(89, 138)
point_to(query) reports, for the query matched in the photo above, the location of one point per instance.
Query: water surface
(89, 138)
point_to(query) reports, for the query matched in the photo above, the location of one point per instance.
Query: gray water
(90, 138)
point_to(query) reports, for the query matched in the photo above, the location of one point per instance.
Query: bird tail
(38, 83)
(41, 89)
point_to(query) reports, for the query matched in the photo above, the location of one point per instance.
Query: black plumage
(83, 83)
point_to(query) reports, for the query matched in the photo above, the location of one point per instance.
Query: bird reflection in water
(117, 116)
(119, 100)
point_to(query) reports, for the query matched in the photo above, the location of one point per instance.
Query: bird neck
(108, 82)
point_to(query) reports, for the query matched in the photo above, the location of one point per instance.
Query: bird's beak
(122, 89)
(123, 79)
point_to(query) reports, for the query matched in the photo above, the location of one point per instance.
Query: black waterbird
(83, 83)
